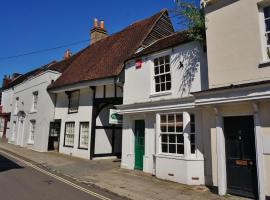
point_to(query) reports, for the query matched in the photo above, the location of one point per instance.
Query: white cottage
(161, 127)
(32, 107)
(92, 86)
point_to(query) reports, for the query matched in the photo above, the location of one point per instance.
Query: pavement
(108, 176)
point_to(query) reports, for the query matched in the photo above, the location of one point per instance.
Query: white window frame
(35, 102)
(160, 74)
(171, 133)
(84, 136)
(69, 134)
(264, 45)
(73, 108)
(32, 129)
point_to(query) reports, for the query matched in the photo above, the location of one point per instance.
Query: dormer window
(162, 74)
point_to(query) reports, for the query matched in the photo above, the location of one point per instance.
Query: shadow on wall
(6, 164)
(188, 63)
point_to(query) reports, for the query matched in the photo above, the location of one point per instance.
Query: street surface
(20, 180)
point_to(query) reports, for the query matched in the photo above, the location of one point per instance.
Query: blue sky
(31, 25)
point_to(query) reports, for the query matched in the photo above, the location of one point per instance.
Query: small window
(172, 138)
(69, 134)
(73, 101)
(192, 134)
(162, 72)
(84, 135)
(32, 131)
(266, 11)
(16, 106)
(35, 101)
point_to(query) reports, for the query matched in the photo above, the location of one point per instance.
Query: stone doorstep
(140, 190)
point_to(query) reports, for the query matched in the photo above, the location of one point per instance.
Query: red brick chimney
(67, 54)
(98, 32)
(6, 81)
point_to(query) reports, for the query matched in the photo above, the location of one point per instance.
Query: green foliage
(192, 17)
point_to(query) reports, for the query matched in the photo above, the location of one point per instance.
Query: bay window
(162, 76)
(69, 134)
(173, 128)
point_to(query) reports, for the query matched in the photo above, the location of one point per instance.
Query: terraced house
(235, 109)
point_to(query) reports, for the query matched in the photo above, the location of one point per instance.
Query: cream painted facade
(236, 42)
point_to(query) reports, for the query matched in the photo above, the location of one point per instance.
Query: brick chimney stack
(67, 54)
(14, 76)
(6, 81)
(98, 32)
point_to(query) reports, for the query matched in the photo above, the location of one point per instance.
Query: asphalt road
(20, 181)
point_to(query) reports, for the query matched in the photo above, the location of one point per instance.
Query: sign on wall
(114, 117)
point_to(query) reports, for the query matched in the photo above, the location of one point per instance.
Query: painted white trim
(186, 131)
(221, 157)
(259, 151)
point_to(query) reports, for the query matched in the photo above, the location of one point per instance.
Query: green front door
(139, 144)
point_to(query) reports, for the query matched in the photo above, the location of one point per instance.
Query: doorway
(54, 135)
(139, 143)
(241, 156)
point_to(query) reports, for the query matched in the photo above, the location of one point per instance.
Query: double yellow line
(57, 177)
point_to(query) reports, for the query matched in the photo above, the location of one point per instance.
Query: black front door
(241, 156)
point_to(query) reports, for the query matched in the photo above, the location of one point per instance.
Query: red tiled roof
(106, 57)
(165, 43)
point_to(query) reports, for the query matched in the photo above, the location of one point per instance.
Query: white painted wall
(170, 167)
(6, 103)
(139, 83)
(44, 114)
(84, 114)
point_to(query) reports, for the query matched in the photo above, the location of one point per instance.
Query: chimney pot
(95, 23)
(67, 54)
(102, 24)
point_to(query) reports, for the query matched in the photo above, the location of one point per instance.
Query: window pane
(172, 148)
(168, 86)
(172, 138)
(180, 149)
(167, 68)
(267, 25)
(162, 69)
(157, 79)
(266, 12)
(164, 138)
(180, 138)
(156, 70)
(163, 78)
(179, 118)
(163, 87)
(179, 129)
(171, 128)
(163, 118)
(84, 135)
(156, 62)
(157, 87)
(170, 118)
(168, 77)
(161, 60)
(164, 148)
(163, 128)
(167, 59)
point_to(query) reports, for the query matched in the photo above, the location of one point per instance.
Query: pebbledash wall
(103, 143)
(141, 102)
(42, 115)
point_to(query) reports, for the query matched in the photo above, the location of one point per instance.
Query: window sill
(178, 157)
(159, 94)
(30, 142)
(33, 111)
(265, 63)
